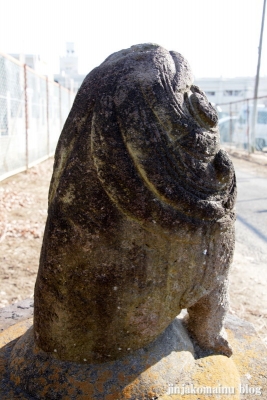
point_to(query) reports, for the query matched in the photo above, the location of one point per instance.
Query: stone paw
(221, 346)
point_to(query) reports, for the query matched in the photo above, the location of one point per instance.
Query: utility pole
(254, 111)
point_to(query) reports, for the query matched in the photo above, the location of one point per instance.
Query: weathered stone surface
(243, 376)
(140, 225)
(168, 362)
(140, 219)
(249, 356)
(139, 375)
(214, 377)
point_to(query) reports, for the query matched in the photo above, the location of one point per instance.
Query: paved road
(251, 206)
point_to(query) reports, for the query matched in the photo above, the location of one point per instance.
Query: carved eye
(200, 108)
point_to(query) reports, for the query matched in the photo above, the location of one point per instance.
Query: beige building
(226, 90)
(69, 76)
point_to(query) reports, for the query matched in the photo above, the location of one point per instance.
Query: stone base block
(166, 369)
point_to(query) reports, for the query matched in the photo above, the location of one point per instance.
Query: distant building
(69, 63)
(225, 90)
(69, 76)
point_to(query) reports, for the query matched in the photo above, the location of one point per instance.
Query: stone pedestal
(169, 368)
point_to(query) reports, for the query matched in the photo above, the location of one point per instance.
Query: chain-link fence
(32, 113)
(243, 124)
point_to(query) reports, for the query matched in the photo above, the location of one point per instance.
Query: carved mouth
(200, 108)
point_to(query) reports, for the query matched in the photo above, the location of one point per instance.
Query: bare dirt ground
(23, 209)
(23, 206)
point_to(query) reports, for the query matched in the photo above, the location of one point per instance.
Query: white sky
(218, 37)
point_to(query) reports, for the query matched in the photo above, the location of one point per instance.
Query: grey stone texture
(28, 373)
(140, 220)
(130, 377)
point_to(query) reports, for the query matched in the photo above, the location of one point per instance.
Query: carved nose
(200, 108)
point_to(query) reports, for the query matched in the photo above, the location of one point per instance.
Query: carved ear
(183, 78)
(201, 109)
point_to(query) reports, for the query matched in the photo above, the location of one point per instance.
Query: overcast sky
(218, 37)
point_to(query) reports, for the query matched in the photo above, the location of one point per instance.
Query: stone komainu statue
(140, 221)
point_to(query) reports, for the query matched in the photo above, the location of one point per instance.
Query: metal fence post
(248, 131)
(47, 117)
(231, 124)
(26, 119)
(60, 112)
(254, 108)
(8, 111)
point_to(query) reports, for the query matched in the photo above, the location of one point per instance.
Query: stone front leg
(206, 317)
